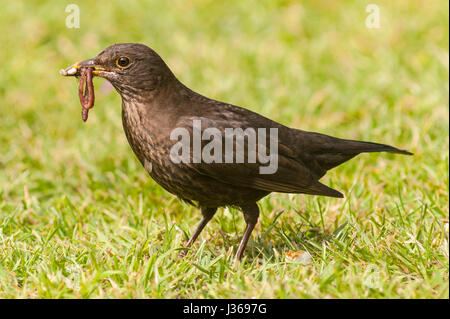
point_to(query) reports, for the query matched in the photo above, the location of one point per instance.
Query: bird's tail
(331, 151)
(349, 146)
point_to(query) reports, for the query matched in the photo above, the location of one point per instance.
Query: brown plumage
(154, 103)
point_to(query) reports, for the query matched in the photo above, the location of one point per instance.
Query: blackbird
(155, 104)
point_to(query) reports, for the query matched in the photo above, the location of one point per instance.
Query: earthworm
(86, 92)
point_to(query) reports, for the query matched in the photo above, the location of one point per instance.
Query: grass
(79, 217)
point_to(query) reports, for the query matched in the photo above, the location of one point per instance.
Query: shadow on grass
(273, 241)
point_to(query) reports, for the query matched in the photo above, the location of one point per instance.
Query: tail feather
(349, 146)
(331, 151)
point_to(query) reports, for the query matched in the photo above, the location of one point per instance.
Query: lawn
(80, 218)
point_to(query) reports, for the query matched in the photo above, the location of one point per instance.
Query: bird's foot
(182, 253)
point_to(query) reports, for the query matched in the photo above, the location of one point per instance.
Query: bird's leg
(208, 213)
(251, 214)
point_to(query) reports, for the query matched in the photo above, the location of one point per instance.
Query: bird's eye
(122, 62)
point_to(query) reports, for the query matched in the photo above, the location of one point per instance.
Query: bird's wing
(290, 174)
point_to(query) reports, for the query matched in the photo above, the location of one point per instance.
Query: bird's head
(130, 67)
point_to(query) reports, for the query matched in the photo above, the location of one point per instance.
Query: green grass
(79, 217)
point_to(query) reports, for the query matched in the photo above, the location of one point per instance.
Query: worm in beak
(86, 70)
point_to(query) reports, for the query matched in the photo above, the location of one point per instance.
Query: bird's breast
(150, 142)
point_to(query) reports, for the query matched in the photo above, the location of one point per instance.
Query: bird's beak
(74, 69)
